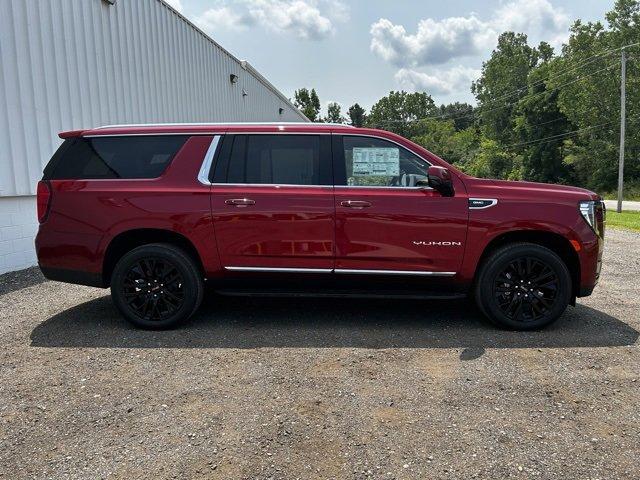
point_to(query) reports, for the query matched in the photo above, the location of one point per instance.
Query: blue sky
(359, 50)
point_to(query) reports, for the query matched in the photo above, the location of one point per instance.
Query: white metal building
(71, 64)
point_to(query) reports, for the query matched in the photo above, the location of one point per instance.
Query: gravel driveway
(284, 389)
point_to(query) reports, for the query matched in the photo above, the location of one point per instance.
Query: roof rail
(218, 124)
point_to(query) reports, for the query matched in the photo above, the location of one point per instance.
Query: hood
(520, 188)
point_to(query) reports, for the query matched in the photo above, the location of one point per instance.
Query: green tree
(461, 114)
(441, 138)
(334, 114)
(502, 83)
(357, 115)
(437, 136)
(308, 103)
(492, 161)
(540, 126)
(587, 78)
(399, 112)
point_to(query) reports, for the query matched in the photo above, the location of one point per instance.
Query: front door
(272, 202)
(385, 223)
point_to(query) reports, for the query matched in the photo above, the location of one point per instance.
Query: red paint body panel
(287, 227)
(394, 232)
(86, 215)
(305, 227)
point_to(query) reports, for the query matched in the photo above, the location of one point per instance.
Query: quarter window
(115, 157)
(373, 162)
(275, 159)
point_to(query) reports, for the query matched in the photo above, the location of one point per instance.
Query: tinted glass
(117, 157)
(275, 159)
(373, 162)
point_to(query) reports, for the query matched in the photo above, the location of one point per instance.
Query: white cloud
(537, 18)
(531, 16)
(300, 18)
(177, 4)
(224, 17)
(435, 42)
(439, 41)
(442, 83)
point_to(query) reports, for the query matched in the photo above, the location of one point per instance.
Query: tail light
(43, 200)
(595, 213)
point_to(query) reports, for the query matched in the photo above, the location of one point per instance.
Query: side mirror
(439, 178)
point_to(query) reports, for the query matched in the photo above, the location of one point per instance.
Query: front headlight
(594, 212)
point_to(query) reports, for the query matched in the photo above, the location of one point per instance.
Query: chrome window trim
(394, 272)
(339, 271)
(392, 187)
(276, 133)
(494, 201)
(205, 168)
(273, 185)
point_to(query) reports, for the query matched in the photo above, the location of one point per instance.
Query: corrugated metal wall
(68, 64)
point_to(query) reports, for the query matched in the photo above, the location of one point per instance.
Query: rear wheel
(156, 286)
(523, 286)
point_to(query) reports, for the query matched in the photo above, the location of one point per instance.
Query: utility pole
(623, 115)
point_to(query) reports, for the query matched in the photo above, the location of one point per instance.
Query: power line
(562, 72)
(556, 137)
(561, 135)
(478, 111)
(546, 123)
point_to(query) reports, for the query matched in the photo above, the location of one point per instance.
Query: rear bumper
(73, 276)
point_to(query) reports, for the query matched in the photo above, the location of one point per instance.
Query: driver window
(372, 162)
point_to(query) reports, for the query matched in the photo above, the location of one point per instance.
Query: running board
(412, 295)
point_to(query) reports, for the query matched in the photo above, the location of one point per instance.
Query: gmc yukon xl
(155, 212)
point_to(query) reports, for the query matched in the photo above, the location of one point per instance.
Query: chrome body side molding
(339, 271)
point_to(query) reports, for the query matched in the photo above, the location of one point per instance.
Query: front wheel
(156, 286)
(523, 286)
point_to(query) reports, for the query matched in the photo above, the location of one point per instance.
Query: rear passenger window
(277, 159)
(116, 157)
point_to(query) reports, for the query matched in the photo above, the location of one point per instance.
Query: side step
(341, 294)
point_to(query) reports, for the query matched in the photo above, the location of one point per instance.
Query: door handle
(240, 202)
(359, 204)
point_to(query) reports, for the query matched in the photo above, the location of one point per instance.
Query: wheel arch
(555, 242)
(130, 239)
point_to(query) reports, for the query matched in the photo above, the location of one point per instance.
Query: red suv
(157, 211)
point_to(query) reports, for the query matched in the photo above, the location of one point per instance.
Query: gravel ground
(343, 389)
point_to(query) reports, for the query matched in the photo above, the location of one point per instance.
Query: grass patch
(631, 192)
(626, 219)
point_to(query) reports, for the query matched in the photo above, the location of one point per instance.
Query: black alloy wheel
(157, 286)
(526, 289)
(153, 288)
(523, 286)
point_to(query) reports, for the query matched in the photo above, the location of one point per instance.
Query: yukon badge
(437, 244)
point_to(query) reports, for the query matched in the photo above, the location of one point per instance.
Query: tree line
(540, 115)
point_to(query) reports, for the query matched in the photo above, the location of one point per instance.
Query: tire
(157, 286)
(523, 286)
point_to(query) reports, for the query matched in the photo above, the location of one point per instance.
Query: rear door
(272, 201)
(385, 223)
